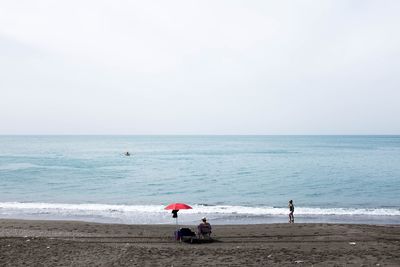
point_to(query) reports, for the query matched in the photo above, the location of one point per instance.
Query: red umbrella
(177, 206)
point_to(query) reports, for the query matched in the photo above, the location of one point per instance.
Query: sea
(228, 179)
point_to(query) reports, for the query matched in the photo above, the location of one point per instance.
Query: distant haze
(200, 67)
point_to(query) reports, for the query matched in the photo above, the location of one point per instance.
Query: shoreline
(219, 214)
(217, 219)
(60, 243)
(233, 220)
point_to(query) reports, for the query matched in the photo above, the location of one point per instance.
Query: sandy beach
(66, 243)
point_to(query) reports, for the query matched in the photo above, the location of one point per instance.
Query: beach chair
(186, 235)
(204, 231)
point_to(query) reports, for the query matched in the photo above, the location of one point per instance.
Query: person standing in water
(291, 210)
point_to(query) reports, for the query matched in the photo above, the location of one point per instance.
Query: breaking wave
(153, 214)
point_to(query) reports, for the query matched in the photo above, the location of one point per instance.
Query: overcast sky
(199, 67)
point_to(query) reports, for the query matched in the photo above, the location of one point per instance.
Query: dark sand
(60, 243)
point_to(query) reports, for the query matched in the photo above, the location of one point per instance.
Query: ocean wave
(24, 166)
(197, 209)
(17, 166)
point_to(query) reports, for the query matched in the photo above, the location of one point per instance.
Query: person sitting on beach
(291, 210)
(204, 228)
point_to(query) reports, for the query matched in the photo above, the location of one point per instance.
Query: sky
(199, 67)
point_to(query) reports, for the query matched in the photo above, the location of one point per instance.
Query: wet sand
(65, 243)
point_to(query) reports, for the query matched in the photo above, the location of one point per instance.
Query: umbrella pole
(177, 228)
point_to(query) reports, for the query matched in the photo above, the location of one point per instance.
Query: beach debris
(238, 247)
(269, 256)
(47, 247)
(28, 240)
(352, 243)
(298, 261)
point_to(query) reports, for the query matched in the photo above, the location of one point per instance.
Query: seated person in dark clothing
(204, 228)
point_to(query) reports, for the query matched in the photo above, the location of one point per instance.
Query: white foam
(17, 166)
(24, 166)
(299, 211)
(197, 209)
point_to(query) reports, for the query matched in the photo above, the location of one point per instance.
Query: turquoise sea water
(231, 179)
